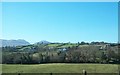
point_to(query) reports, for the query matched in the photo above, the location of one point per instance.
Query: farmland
(60, 68)
(61, 58)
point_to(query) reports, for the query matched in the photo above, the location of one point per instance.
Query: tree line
(38, 54)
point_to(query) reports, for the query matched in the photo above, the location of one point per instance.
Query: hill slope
(18, 42)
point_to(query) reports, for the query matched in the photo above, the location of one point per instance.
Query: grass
(63, 46)
(53, 45)
(0, 68)
(60, 68)
(69, 45)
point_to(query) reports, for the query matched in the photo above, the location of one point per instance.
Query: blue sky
(60, 21)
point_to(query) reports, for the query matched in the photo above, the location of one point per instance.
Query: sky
(60, 21)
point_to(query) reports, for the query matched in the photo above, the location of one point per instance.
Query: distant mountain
(43, 42)
(18, 42)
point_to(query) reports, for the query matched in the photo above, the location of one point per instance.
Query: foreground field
(60, 68)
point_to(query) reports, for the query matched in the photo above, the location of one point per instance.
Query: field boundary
(60, 74)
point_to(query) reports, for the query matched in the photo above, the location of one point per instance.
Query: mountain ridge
(13, 42)
(43, 42)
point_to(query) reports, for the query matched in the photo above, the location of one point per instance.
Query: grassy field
(60, 68)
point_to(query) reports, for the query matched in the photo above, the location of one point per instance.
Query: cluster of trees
(75, 54)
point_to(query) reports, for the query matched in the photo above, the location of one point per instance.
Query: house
(62, 49)
(104, 47)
